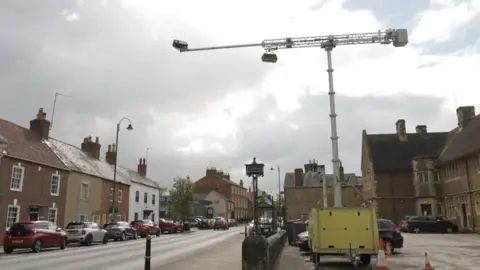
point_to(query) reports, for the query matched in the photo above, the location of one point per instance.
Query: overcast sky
(222, 108)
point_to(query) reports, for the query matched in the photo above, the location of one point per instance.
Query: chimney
(92, 148)
(142, 167)
(421, 129)
(226, 176)
(298, 177)
(40, 125)
(342, 174)
(401, 130)
(111, 154)
(211, 171)
(241, 182)
(464, 115)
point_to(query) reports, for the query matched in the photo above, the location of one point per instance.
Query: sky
(114, 59)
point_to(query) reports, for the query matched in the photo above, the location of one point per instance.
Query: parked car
(120, 230)
(402, 225)
(179, 226)
(388, 232)
(203, 224)
(146, 227)
(220, 224)
(167, 226)
(85, 233)
(34, 235)
(417, 224)
(302, 241)
(232, 222)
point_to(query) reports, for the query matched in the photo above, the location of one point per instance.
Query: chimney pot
(97, 140)
(91, 148)
(109, 148)
(142, 168)
(114, 148)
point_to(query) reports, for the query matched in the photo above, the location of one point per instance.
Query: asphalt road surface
(128, 255)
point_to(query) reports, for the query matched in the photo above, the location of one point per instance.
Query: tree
(181, 196)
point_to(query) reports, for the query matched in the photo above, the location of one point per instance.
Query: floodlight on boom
(180, 45)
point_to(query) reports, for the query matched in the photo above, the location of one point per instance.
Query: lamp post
(397, 37)
(255, 170)
(279, 181)
(54, 105)
(113, 210)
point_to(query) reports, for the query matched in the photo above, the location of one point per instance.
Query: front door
(426, 209)
(33, 216)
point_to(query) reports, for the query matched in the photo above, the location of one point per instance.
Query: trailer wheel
(365, 258)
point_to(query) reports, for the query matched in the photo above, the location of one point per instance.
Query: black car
(203, 224)
(120, 231)
(417, 224)
(388, 232)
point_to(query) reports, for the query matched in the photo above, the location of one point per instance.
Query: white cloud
(443, 19)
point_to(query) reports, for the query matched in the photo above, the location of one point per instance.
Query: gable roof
(25, 145)
(315, 179)
(135, 177)
(77, 160)
(462, 143)
(388, 153)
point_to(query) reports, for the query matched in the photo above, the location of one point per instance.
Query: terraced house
(33, 180)
(90, 190)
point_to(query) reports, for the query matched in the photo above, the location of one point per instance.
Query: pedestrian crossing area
(129, 255)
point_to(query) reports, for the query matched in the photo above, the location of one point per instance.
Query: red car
(170, 226)
(220, 224)
(145, 227)
(35, 235)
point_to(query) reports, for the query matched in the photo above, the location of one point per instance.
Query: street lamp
(255, 170)
(279, 181)
(113, 210)
(396, 37)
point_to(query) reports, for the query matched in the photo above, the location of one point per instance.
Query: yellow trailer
(342, 231)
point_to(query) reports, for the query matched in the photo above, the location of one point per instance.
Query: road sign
(113, 210)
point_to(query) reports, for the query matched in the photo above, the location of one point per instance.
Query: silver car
(85, 233)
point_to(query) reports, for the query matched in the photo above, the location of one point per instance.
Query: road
(128, 255)
(446, 252)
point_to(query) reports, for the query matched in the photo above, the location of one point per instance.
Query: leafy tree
(181, 196)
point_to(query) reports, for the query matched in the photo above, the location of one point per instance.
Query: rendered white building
(144, 195)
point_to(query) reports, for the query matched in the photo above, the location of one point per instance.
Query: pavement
(129, 255)
(446, 252)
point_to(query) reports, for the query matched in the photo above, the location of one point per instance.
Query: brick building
(33, 180)
(426, 173)
(217, 180)
(303, 191)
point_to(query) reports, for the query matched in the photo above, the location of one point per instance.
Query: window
(84, 191)
(111, 195)
(96, 219)
(52, 215)
(82, 218)
(145, 197)
(17, 178)
(436, 176)
(135, 215)
(137, 196)
(55, 185)
(120, 196)
(13, 215)
(153, 199)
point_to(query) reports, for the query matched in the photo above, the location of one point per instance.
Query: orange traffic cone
(428, 266)
(381, 260)
(389, 250)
